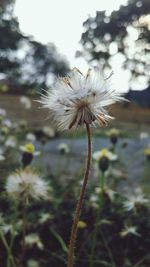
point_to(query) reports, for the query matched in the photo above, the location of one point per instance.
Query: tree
(25, 63)
(42, 63)
(125, 32)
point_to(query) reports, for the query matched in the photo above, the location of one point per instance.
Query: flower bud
(26, 159)
(147, 153)
(103, 163)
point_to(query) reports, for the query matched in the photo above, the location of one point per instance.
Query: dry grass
(129, 114)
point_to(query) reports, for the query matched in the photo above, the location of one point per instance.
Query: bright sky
(60, 22)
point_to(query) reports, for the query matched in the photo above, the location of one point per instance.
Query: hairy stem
(79, 204)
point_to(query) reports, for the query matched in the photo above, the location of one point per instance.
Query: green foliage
(122, 214)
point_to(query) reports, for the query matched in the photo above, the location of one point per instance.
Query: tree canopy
(125, 32)
(25, 63)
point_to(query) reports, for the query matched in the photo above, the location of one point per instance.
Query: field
(41, 176)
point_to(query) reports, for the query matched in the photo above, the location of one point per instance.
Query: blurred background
(41, 40)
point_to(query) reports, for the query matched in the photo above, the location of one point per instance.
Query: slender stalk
(102, 179)
(108, 250)
(70, 262)
(10, 259)
(24, 229)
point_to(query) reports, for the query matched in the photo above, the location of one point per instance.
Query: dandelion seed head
(27, 184)
(77, 100)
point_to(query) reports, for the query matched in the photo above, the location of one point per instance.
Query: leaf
(60, 240)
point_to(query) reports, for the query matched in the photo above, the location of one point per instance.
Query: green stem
(100, 203)
(108, 250)
(24, 229)
(10, 259)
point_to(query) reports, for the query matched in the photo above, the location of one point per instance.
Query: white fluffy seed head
(26, 184)
(77, 99)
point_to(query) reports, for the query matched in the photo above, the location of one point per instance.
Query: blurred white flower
(77, 99)
(31, 137)
(131, 230)
(2, 158)
(2, 112)
(144, 135)
(4, 130)
(63, 148)
(97, 155)
(134, 201)
(94, 201)
(5, 228)
(33, 239)
(109, 192)
(7, 123)
(45, 217)
(32, 263)
(11, 141)
(25, 183)
(49, 131)
(26, 102)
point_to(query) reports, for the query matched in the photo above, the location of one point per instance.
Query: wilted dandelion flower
(26, 184)
(77, 99)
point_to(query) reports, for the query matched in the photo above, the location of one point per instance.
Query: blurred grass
(130, 118)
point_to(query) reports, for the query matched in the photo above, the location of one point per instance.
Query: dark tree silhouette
(125, 31)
